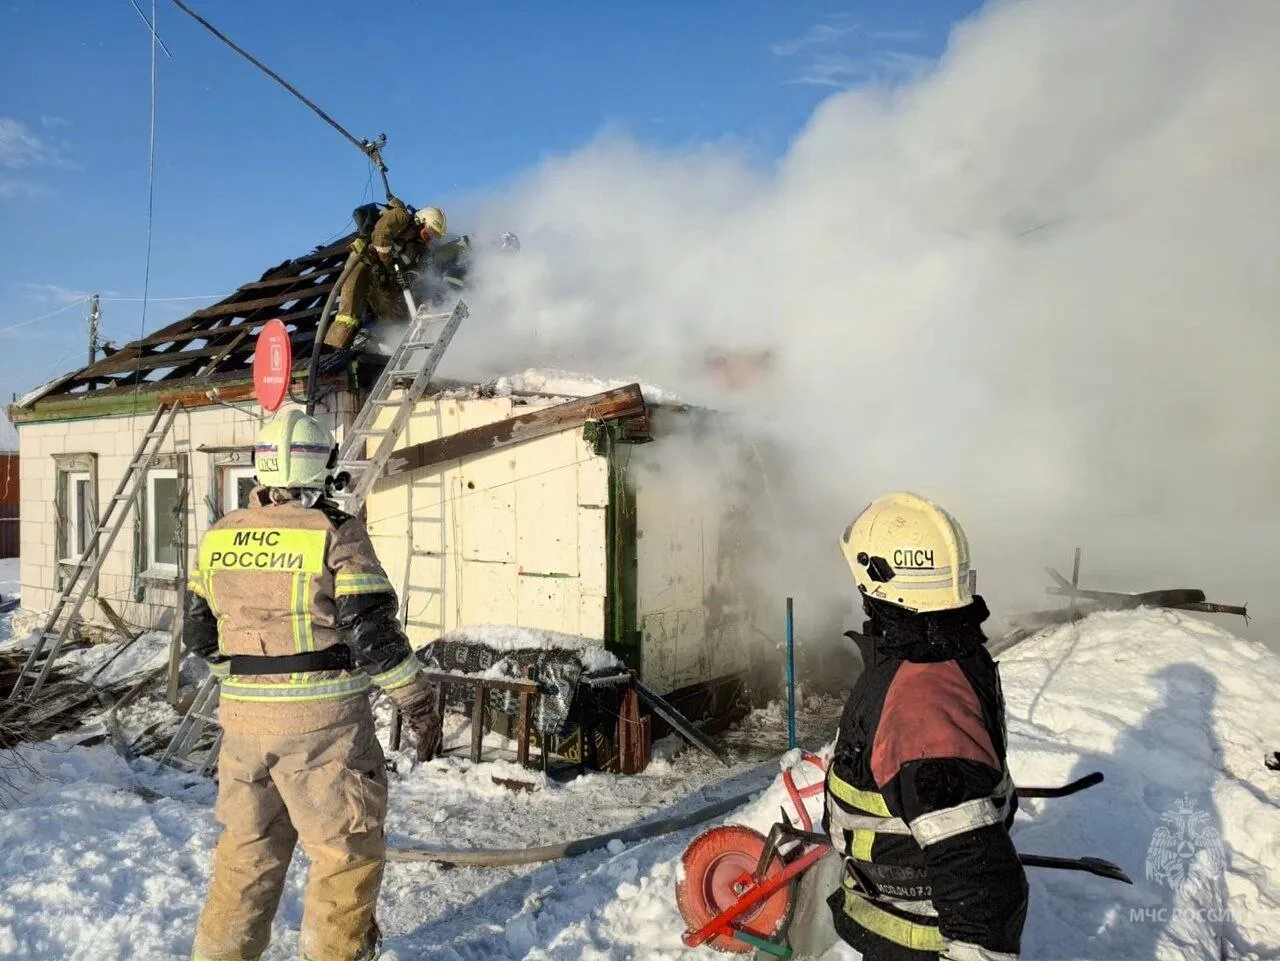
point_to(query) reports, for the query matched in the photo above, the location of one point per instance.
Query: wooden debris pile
(1082, 602)
(64, 702)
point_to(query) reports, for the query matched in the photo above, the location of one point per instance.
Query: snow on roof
(8, 435)
(563, 383)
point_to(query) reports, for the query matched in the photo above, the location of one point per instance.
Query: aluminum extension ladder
(49, 643)
(199, 717)
(409, 370)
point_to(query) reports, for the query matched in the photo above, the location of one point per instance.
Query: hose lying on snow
(509, 857)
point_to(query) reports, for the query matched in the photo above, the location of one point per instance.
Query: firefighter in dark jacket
(400, 243)
(918, 795)
(290, 605)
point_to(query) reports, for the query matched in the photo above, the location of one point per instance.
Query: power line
(151, 185)
(35, 320)
(162, 300)
(370, 148)
(150, 27)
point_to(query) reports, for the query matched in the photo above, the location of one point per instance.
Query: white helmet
(294, 450)
(908, 551)
(433, 219)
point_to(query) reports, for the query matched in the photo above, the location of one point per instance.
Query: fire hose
(510, 857)
(322, 327)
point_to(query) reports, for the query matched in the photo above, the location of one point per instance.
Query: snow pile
(99, 860)
(504, 637)
(108, 664)
(1176, 713)
(90, 869)
(563, 383)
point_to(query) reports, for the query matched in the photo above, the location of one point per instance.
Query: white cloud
(843, 71)
(12, 188)
(818, 35)
(841, 54)
(1035, 282)
(896, 36)
(57, 294)
(21, 148)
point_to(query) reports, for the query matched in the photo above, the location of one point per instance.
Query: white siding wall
(695, 606)
(114, 441)
(512, 537)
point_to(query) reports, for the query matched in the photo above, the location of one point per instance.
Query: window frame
(67, 466)
(71, 549)
(229, 477)
(152, 567)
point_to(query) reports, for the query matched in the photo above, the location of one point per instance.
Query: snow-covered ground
(101, 860)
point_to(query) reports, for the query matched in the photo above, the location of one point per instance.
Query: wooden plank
(116, 620)
(168, 333)
(522, 728)
(249, 306)
(397, 728)
(169, 358)
(219, 358)
(232, 385)
(497, 683)
(477, 723)
(282, 282)
(681, 724)
(119, 364)
(201, 330)
(609, 405)
(194, 326)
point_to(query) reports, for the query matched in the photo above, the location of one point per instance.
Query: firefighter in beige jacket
(290, 605)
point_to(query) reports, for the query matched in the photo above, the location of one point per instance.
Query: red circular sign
(272, 365)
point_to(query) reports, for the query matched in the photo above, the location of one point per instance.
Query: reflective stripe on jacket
(918, 796)
(279, 578)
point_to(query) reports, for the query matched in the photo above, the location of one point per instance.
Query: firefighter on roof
(398, 244)
(918, 796)
(290, 605)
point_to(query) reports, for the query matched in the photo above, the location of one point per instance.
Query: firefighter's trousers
(327, 789)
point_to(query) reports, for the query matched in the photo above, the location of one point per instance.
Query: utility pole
(93, 328)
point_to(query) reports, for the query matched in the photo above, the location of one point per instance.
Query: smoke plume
(1035, 282)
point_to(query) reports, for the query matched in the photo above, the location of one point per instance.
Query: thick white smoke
(1036, 283)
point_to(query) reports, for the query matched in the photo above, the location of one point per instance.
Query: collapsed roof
(215, 343)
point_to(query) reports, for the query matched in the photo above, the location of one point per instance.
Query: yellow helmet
(432, 218)
(294, 450)
(908, 551)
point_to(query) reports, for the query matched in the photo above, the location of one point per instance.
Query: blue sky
(470, 95)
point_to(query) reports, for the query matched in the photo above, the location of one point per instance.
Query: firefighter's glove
(425, 724)
(403, 279)
(358, 245)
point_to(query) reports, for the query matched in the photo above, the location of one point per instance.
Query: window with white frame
(235, 485)
(162, 521)
(81, 519)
